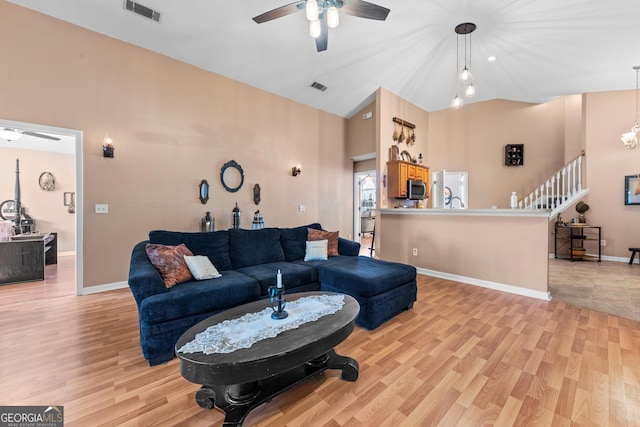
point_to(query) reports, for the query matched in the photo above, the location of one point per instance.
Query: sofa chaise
(248, 261)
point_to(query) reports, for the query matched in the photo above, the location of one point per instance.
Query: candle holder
(278, 302)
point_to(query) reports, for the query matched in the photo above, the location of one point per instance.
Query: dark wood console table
(239, 381)
(21, 261)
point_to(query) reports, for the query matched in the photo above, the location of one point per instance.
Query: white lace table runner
(243, 332)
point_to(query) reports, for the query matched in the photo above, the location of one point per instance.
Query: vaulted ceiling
(543, 48)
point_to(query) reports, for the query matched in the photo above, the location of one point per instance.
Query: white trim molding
(104, 288)
(545, 296)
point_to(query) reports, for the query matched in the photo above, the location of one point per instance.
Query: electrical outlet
(603, 242)
(102, 208)
(415, 251)
(301, 207)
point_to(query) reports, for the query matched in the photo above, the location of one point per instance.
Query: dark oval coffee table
(239, 381)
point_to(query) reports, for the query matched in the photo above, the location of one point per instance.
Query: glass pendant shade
(630, 139)
(333, 19)
(465, 75)
(312, 10)
(457, 102)
(470, 91)
(315, 29)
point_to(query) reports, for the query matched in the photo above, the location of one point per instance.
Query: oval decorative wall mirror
(232, 176)
(204, 191)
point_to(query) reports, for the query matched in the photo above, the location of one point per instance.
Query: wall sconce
(107, 147)
(295, 171)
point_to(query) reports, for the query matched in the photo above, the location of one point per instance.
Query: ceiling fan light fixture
(315, 29)
(10, 134)
(333, 18)
(312, 10)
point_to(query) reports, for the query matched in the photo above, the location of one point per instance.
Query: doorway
(73, 139)
(365, 204)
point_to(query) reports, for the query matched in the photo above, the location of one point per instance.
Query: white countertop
(467, 212)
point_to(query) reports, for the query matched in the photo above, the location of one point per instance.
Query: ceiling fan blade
(40, 135)
(363, 9)
(323, 40)
(280, 12)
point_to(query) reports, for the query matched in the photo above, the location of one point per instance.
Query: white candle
(279, 280)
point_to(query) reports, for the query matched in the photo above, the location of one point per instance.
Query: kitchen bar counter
(543, 213)
(504, 249)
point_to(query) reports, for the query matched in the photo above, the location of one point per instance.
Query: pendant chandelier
(464, 80)
(630, 139)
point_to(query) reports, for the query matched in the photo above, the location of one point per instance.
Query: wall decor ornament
(204, 191)
(232, 174)
(632, 190)
(514, 154)
(256, 194)
(70, 201)
(47, 181)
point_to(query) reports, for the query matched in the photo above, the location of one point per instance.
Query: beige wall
(479, 247)
(172, 125)
(607, 116)
(46, 207)
(473, 139)
(361, 133)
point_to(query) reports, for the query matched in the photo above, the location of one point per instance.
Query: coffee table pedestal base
(238, 400)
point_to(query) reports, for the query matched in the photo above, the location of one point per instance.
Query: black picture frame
(234, 165)
(632, 190)
(514, 154)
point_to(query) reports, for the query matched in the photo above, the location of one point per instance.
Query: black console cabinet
(21, 261)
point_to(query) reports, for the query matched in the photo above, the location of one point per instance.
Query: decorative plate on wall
(47, 182)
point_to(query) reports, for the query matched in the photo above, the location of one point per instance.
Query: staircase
(560, 191)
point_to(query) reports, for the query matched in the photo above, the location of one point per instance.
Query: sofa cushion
(213, 245)
(363, 276)
(201, 268)
(316, 250)
(330, 236)
(293, 241)
(293, 275)
(169, 260)
(253, 247)
(195, 297)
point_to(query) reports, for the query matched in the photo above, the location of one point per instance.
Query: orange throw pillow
(331, 236)
(169, 261)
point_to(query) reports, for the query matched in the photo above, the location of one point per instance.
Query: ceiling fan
(11, 134)
(323, 14)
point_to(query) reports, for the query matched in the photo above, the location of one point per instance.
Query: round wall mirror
(232, 176)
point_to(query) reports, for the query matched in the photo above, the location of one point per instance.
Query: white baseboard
(103, 288)
(487, 284)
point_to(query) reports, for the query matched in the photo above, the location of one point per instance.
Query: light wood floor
(463, 356)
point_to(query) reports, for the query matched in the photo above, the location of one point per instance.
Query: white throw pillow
(316, 250)
(201, 268)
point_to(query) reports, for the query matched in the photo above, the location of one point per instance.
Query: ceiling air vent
(142, 10)
(318, 86)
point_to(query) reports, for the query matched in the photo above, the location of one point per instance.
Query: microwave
(416, 190)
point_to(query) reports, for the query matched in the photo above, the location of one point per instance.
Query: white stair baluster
(580, 173)
(564, 174)
(554, 200)
(575, 162)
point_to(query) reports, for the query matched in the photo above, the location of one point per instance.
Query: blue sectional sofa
(248, 261)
